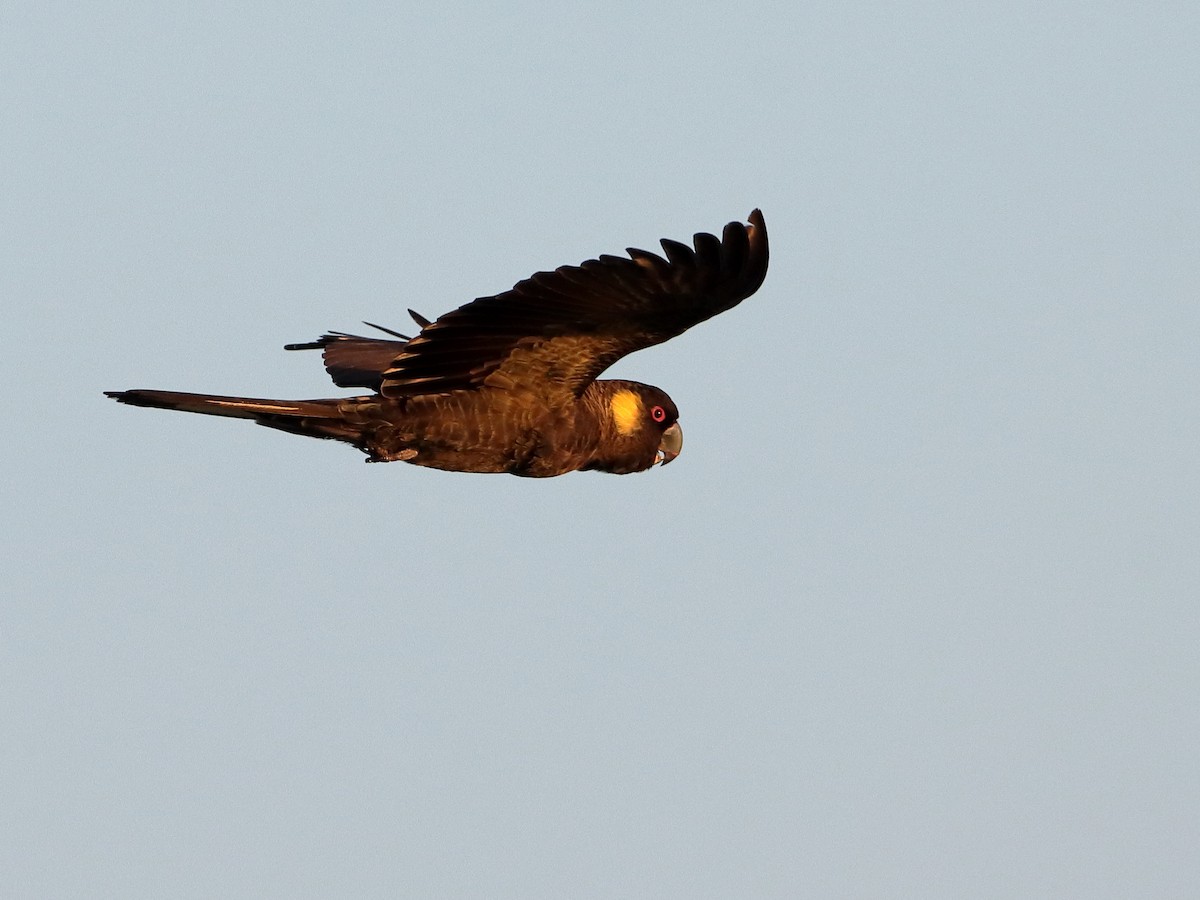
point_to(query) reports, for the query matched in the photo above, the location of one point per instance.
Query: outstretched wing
(555, 332)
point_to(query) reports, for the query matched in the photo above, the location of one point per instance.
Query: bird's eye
(658, 414)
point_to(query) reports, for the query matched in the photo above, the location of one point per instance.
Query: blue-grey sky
(915, 614)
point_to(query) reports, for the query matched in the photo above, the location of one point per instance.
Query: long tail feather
(237, 407)
(312, 418)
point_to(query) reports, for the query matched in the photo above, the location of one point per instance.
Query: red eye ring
(658, 414)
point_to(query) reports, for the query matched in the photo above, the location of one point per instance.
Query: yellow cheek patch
(627, 411)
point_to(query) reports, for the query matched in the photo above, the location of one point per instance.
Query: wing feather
(555, 332)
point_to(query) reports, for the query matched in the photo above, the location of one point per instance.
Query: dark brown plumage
(509, 383)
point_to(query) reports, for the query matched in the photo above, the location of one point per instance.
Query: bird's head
(639, 427)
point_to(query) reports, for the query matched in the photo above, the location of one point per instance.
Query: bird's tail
(314, 418)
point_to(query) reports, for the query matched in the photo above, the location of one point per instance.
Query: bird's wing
(555, 332)
(356, 361)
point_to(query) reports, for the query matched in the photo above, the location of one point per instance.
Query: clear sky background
(915, 614)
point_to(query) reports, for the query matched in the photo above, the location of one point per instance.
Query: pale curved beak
(671, 444)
